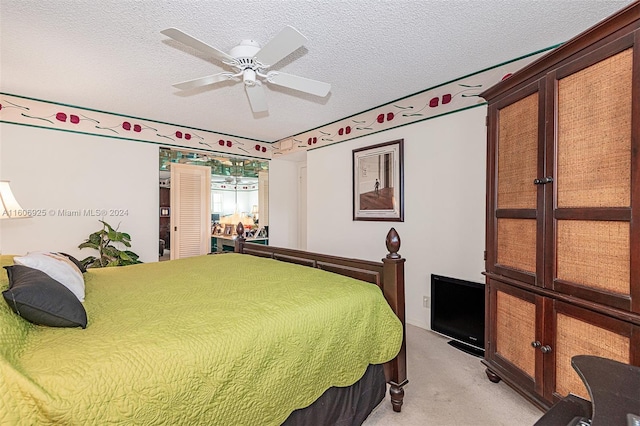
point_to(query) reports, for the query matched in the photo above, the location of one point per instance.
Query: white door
(190, 210)
(263, 197)
(302, 207)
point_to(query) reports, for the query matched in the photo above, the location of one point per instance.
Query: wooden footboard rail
(388, 275)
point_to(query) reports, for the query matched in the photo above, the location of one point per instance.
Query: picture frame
(228, 229)
(165, 211)
(260, 232)
(378, 182)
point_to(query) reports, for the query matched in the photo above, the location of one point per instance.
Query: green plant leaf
(132, 255)
(109, 255)
(111, 251)
(123, 238)
(95, 238)
(106, 225)
(88, 244)
(87, 261)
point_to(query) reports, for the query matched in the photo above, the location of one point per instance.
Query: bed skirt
(344, 406)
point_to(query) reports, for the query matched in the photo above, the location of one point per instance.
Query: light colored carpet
(449, 387)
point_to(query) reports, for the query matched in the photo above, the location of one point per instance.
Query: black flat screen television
(457, 312)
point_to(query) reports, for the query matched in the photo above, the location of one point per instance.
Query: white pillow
(58, 267)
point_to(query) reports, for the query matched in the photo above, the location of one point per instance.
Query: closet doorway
(238, 191)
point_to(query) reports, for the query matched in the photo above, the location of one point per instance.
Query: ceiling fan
(251, 62)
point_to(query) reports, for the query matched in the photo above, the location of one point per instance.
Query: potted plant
(108, 254)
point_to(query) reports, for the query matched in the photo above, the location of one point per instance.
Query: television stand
(466, 348)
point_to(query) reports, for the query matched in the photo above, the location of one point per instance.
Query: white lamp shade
(10, 207)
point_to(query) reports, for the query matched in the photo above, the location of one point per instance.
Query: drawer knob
(536, 344)
(545, 349)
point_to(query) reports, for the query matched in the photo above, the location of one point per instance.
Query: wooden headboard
(387, 274)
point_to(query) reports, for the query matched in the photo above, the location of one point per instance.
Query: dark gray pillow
(40, 299)
(75, 262)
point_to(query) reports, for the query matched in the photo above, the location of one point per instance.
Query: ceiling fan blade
(186, 39)
(203, 81)
(303, 84)
(284, 43)
(257, 97)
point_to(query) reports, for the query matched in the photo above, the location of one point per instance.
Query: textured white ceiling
(109, 55)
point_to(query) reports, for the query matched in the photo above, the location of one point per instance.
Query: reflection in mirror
(233, 199)
(239, 189)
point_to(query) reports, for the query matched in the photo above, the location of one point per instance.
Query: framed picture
(260, 233)
(228, 229)
(378, 182)
(164, 212)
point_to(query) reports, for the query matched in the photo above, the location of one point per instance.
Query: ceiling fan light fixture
(249, 77)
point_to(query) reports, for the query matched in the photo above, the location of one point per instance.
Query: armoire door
(579, 331)
(515, 337)
(595, 163)
(190, 210)
(514, 200)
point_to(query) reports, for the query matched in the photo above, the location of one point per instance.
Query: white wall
(444, 205)
(51, 171)
(443, 231)
(283, 203)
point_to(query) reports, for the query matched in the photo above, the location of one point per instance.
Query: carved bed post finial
(393, 244)
(239, 241)
(393, 289)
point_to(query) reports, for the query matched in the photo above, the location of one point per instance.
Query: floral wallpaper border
(50, 115)
(457, 95)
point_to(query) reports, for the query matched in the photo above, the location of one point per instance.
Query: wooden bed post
(388, 275)
(239, 241)
(393, 289)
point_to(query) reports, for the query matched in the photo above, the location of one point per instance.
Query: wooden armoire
(563, 212)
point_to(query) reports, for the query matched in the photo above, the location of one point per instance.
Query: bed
(251, 337)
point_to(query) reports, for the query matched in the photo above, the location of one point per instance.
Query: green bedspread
(227, 340)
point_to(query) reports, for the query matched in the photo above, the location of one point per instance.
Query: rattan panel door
(582, 332)
(593, 182)
(516, 329)
(514, 315)
(515, 164)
